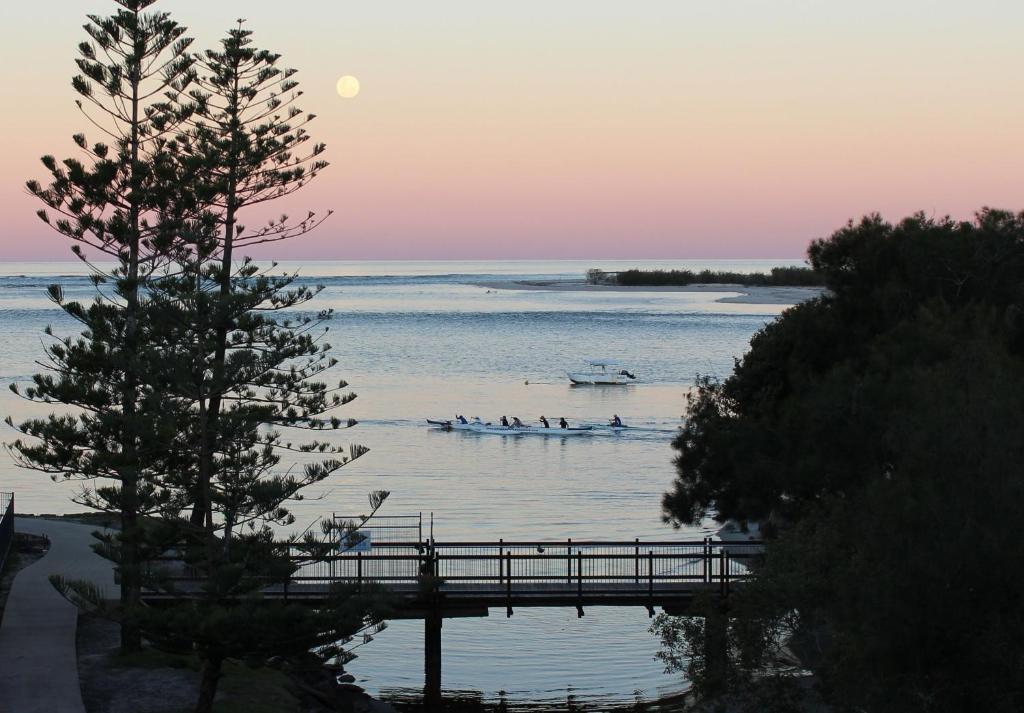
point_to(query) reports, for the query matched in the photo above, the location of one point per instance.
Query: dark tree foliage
(248, 379)
(122, 201)
(875, 432)
(250, 141)
(189, 393)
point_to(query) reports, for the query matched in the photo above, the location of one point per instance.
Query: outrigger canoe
(635, 429)
(499, 430)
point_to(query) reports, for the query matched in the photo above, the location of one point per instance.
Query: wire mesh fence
(385, 529)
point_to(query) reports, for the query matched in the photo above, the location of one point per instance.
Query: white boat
(477, 426)
(602, 372)
(733, 532)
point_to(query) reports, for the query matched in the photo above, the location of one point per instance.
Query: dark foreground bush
(876, 432)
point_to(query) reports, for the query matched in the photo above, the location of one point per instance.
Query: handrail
(564, 543)
(6, 527)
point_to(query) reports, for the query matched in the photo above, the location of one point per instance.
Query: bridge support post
(432, 659)
(716, 647)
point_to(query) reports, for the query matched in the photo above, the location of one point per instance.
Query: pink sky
(592, 129)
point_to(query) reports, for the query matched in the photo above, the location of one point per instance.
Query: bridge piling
(432, 658)
(716, 647)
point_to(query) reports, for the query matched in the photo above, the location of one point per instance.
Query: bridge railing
(514, 568)
(555, 563)
(558, 562)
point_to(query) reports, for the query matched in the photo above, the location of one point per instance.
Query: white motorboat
(602, 372)
(477, 426)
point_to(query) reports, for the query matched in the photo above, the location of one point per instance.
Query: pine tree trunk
(201, 497)
(209, 673)
(202, 513)
(131, 585)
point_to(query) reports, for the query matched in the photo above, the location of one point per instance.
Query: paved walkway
(38, 662)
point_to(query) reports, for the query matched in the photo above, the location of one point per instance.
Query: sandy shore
(748, 295)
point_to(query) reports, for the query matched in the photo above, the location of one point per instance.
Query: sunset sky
(591, 129)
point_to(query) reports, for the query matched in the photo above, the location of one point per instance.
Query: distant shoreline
(748, 295)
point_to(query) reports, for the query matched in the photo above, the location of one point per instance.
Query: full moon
(348, 86)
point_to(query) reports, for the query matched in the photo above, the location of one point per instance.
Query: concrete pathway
(38, 662)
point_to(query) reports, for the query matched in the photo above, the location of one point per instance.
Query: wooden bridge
(438, 580)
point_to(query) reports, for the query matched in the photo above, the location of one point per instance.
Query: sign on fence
(355, 541)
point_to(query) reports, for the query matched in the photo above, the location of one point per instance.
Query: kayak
(498, 430)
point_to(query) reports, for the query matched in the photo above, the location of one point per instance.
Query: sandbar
(753, 295)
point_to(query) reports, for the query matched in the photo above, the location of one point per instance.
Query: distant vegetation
(778, 277)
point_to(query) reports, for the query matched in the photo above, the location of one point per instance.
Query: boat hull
(534, 431)
(511, 430)
(586, 379)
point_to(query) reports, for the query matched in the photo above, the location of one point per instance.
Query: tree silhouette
(122, 201)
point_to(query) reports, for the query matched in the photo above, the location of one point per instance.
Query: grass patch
(256, 690)
(152, 658)
(242, 689)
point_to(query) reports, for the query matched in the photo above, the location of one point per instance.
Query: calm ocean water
(418, 340)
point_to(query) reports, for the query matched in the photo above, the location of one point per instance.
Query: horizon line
(73, 259)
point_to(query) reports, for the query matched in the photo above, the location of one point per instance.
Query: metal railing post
(636, 562)
(568, 565)
(359, 571)
(579, 575)
(508, 586)
(725, 575)
(721, 570)
(707, 560)
(650, 575)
